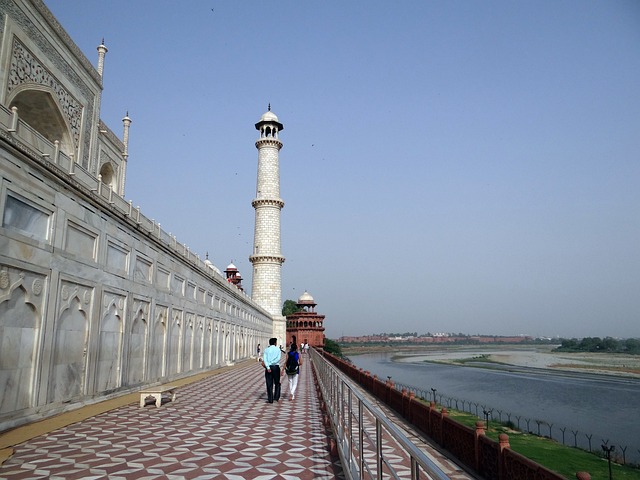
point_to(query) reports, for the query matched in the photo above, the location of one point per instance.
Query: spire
(126, 121)
(102, 51)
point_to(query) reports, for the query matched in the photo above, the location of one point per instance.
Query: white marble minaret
(266, 289)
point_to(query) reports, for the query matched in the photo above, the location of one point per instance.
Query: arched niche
(37, 107)
(108, 176)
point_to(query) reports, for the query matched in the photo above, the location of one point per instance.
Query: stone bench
(156, 393)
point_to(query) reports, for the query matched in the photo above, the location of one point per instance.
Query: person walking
(258, 350)
(271, 361)
(292, 369)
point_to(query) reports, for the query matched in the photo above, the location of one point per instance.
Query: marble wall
(90, 307)
(95, 299)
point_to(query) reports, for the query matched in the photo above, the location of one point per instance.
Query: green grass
(551, 454)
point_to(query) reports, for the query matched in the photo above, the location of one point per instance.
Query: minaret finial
(269, 106)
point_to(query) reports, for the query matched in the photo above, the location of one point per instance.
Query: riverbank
(528, 356)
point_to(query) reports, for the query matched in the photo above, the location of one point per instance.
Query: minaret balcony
(267, 202)
(276, 259)
(269, 142)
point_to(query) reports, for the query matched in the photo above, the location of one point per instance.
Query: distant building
(436, 338)
(306, 325)
(233, 276)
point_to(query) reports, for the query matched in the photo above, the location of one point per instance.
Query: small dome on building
(231, 266)
(269, 117)
(305, 298)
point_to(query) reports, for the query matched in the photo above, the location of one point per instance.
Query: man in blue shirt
(271, 359)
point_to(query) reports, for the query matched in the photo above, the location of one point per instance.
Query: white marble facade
(95, 299)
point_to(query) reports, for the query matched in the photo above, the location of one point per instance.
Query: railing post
(479, 433)
(503, 442)
(14, 119)
(56, 151)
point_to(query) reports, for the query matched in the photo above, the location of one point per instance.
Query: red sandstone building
(306, 325)
(233, 276)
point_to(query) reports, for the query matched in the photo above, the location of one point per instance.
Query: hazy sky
(447, 166)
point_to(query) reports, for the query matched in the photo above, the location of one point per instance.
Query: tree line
(597, 344)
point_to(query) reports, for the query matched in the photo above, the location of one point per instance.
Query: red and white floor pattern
(220, 427)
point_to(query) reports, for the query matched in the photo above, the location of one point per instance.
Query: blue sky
(447, 166)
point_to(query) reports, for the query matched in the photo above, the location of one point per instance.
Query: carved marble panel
(110, 341)
(21, 305)
(157, 347)
(187, 352)
(25, 68)
(198, 343)
(69, 365)
(138, 343)
(207, 343)
(175, 342)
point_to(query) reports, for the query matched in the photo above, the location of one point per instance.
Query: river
(605, 407)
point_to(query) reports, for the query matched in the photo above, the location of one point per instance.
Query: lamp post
(434, 395)
(607, 453)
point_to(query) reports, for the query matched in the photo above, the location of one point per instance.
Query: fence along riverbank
(488, 458)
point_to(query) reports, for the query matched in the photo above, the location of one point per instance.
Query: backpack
(291, 367)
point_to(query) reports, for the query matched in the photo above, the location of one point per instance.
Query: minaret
(102, 51)
(126, 122)
(266, 289)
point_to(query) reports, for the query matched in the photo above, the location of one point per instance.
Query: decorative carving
(36, 287)
(261, 202)
(266, 259)
(65, 293)
(4, 279)
(10, 8)
(25, 69)
(87, 297)
(271, 142)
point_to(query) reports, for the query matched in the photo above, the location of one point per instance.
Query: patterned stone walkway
(219, 427)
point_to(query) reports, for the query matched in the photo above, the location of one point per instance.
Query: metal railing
(370, 446)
